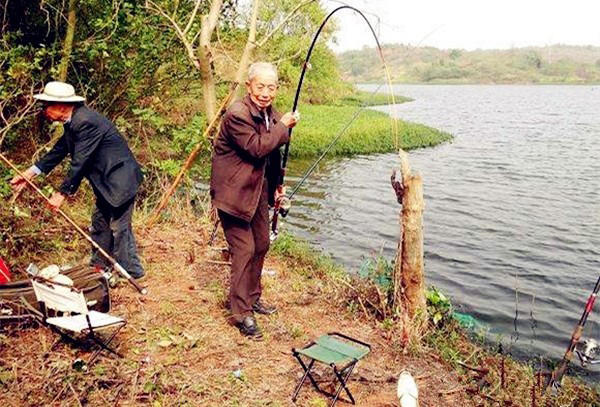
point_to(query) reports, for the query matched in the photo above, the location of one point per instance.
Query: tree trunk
(63, 68)
(209, 22)
(409, 282)
(68, 43)
(412, 276)
(250, 44)
(209, 94)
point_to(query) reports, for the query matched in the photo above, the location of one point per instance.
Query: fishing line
(346, 127)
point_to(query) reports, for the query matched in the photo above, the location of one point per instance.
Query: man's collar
(75, 109)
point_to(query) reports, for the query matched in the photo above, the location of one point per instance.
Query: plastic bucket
(4, 273)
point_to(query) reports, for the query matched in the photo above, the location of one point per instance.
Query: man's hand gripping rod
(114, 263)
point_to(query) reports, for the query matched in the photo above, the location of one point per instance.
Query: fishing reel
(285, 204)
(588, 352)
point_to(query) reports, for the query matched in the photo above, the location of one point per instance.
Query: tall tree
(252, 43)
(68, 42)
(197, 39)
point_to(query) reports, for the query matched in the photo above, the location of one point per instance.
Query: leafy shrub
(439, 307)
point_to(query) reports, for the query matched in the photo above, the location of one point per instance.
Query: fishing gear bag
(18, 302)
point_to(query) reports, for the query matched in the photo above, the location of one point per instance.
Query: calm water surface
(512, 218)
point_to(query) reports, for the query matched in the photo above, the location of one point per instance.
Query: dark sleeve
(87, 138)
(241, 133)
(58, 152)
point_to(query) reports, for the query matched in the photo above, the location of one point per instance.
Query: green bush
(439, 307)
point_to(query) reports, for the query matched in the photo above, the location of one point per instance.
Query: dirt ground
(179, 348)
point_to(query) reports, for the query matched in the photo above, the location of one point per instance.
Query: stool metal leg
(306, 373)
(342, 379)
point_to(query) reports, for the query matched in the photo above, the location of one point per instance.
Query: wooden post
(413, 281)
(409, 280)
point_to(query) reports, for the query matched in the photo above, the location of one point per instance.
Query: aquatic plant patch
(370, 133)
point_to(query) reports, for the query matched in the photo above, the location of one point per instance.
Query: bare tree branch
(150, 5)
(287, 18)
(212, 18)
(294, 55)
(250, 43)
(192, 17)
(11, 120)
(4, 24)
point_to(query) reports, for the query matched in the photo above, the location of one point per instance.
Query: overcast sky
(470, 24)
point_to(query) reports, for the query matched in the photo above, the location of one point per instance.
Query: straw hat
(59, 92)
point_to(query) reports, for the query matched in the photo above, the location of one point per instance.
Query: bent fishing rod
(277, 209)
(556, 376)
(114, 263)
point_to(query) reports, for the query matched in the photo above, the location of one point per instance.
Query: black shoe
(262, 308)
(248, 327)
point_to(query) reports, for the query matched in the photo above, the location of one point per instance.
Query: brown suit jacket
(242, 152)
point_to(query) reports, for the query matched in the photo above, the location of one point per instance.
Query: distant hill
(551, 64)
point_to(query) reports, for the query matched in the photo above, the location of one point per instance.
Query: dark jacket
(99, 153)
(245, 155)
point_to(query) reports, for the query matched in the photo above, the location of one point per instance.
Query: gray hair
(257, 67)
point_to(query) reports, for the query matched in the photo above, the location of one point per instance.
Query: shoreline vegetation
(555, 64)
(370, 133)
(454, 339)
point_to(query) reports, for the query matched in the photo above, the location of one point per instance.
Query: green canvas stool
(340, 352)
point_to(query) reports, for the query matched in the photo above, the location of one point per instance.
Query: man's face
(54, 112)
(262, 89)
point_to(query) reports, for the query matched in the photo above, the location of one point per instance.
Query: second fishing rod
(120, 269)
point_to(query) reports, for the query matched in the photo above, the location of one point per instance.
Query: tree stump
(409, 279)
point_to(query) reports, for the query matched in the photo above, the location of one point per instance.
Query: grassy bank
(362, 98)
(370, 133)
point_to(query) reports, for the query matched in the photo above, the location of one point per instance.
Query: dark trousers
(248, 244)
(111, 229)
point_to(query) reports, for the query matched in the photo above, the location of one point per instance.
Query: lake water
(512, 217)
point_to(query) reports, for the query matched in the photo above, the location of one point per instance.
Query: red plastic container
(4, 273)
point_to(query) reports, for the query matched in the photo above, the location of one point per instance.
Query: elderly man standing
(246, 166)
(100, 154)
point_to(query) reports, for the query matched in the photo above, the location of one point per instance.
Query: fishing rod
(114, 263)
(277, 207)
(556, 376)
(318, 160)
